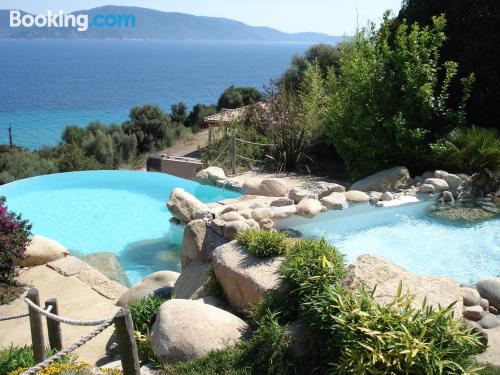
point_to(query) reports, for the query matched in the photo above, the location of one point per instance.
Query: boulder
(386, 180)
(271, 187)
(375, 271)
(266, 224)
(232, 216)
(474, 313)
(187, 330)
(42, 250)
(335, 201)
(210, 175)
(183, 206)
(199, 241)
(244, 278)
(232, 228)
(489, 288)
(489, 321)
(283, 212)
(427, 188)
(159, 284)
(262, 213)
(485, 304)
(315, 190)
(308, 207)
(281, 202)
(470, 296)
(109, 264)
(438, 183)
(252, 223)
(356, 196)
(228, 208)
(493, 310)
(192, 281)
(387, 196)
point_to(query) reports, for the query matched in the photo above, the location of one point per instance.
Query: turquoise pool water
(123, 212)
(411, 238)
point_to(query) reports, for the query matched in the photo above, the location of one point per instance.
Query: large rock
(192, 282)
(470, 296)
(438, 183)
(232, 228)
(199, 242)
(159, 284)
(489, 288)
(109, 264)
(315, 190)
(375, 271)
(308, 207)
(262, 213)
(386, 180)
(42, 250)
(210, 175)
(284, 211)
(335, 201)
(186, 330)
(356, 196)
(271, 187)
(244, 278)
(183, 206)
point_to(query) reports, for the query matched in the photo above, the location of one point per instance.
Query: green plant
(21, 357)
(360, 336)
(469, 150)
(213, 286)
(143, 312)
(263, 243)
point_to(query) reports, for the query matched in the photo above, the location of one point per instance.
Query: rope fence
(122, 321)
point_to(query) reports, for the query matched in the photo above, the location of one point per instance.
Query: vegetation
(15, 236)
(236, 97)
(263, 243)
(16, 359)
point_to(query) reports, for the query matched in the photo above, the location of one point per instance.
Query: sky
(334, 17)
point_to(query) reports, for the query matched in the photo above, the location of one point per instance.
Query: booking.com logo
(80, 22)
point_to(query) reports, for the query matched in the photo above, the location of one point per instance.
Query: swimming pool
(123, 212)
(412, 238)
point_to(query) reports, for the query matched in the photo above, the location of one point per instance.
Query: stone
(247, 214)
(489, 288)
(314, 190)
(200, 239)
(186, 330)
(210, 175)
(203, 215)
(470, 296)
(281, 202)
(271, 187)
(42, 250)
(386, 180)
(232, 228)
(308, 207)
(109, 264)
(334, 201)
(427, 188)
(159, 284)
(231, 216)
(476, 328)
(68, 266)
(489, 321)
(473, 312)
(228, 208)
(355, 196)
(484, 303)
(493, 310)
(245, 279)
(183, 205)
(453, 180)
(266, 224)
(447, 197)
(375, 271)
(262, 213)
(387, 196)
(283, 212)
(192, 282)
(438, 183)
(374, 196)
(253, 224)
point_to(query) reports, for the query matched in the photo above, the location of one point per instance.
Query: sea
(46, 85)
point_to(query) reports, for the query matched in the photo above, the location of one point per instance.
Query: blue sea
(46, 85)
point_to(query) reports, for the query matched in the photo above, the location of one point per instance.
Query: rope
(83, 340)
(65, 320)
(254, 143)
(253, 160)
(21, 315)
(218, 156)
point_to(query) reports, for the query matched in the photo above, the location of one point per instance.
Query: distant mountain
(154, 24)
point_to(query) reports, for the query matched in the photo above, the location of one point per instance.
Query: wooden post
(124, 328)
(233, 153)
(10, 136)
(54, 327)
(36, 327)
(209, 134)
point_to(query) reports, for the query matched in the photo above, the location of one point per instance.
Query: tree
(179, 113)
(473, 36)
(149, 124)
(236, 97)
(198, 113)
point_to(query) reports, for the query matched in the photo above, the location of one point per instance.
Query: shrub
(263, 243)
(236, 97)
(15, 359)
(14, 238)
(469, 150)
(16, 164)
(143, 312)
(359, 336)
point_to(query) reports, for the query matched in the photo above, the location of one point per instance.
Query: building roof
(228, 116)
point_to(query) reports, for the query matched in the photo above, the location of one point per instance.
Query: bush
(236, 97)
(263, 243)
(143, 312)
(15, 236)
(15, 359)
(16, 164)
(359, 336)
(390, 99)
(469, 150)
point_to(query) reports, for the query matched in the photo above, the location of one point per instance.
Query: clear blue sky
(335, 17)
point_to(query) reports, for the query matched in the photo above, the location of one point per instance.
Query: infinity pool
(123, 212)
(411, 238)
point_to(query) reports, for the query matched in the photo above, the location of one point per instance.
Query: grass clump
(263, 243)
(21, 357)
